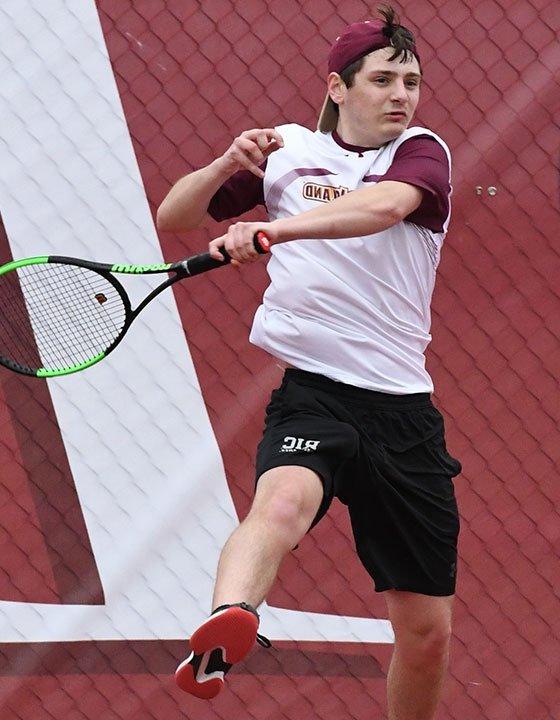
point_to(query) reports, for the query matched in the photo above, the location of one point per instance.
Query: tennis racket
(60, 315)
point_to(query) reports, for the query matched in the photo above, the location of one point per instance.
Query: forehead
(379, 60)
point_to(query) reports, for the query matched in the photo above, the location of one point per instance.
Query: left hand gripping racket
(60, 315)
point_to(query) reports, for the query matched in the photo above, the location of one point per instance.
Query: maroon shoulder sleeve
(422, 161)
(243, 191)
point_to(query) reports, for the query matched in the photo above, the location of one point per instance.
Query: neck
(349, 146)
(356, 137)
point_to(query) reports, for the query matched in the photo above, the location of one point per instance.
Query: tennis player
(358, 213)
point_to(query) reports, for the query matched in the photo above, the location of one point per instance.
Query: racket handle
(260, 242)
(204, 262)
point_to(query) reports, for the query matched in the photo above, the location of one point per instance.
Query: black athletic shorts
(383, 456)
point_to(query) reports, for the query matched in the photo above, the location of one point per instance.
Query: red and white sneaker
(202, 675)
(225, 638)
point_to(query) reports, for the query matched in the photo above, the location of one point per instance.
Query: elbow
(164, 219)
(170, 218)
(167, 220)
(388, 216)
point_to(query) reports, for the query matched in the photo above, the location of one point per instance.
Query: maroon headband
(357, 40)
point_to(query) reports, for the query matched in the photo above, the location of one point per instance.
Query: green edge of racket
(60, 315)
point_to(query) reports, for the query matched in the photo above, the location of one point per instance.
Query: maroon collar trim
(353, 148)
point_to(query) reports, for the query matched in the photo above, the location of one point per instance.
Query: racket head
(59, 315)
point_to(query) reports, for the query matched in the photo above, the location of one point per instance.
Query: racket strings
(15, 331)
(90, 320)
(65, 328)
(85, 323)
(25, 308)
(56, 316)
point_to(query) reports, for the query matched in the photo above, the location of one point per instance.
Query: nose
(399, 93)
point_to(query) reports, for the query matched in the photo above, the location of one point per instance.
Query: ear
(336, 88)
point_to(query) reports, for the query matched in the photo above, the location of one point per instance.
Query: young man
(358, 213)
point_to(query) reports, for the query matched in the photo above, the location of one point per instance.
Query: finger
(237, 251)
(243, 261)
(249, 253)
(269, 133)
(244, 248)
(271, 147)
(248, 165)
(273, 134)
(262, 141)
(255, 170)
(245, 160)
(274, 141)
(250, 149)
(214, 248)
(230, 245)
(263, 138)
(268, 141)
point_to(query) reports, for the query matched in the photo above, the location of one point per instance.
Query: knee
(424, 643)
(287, 501)
(284, 514)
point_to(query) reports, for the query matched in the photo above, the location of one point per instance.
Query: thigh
(404, 513)
(304, 430)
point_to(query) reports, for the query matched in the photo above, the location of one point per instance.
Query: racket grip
(260, 242)
(204, 262)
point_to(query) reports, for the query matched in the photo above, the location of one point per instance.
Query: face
(381, 102)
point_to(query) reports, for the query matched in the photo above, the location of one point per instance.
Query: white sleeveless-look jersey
(356, 310)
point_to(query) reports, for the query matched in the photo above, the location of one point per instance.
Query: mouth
(396, 115)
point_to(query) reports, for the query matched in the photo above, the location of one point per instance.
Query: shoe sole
(187, 681)
(233, 629)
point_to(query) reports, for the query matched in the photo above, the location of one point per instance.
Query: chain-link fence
(90, 463)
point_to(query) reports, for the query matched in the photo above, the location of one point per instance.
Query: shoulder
(293, 128)
(423, 152)
(294, 133)
(423, 141)
(421, 158)
(300, 145)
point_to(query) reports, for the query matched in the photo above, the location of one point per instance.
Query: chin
(394, 133)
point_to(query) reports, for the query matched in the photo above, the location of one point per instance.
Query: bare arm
(361, 212)
(186, 204)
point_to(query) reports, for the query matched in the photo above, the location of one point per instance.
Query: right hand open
(251, 148)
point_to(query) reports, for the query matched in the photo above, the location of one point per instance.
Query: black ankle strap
(261, 639)
(243, 605)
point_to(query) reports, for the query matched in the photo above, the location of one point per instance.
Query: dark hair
(401, 39)
(347, 75)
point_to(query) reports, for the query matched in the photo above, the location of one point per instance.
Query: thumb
(271, 147)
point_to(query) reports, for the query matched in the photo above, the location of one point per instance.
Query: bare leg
(285, 504)
(422, 626)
